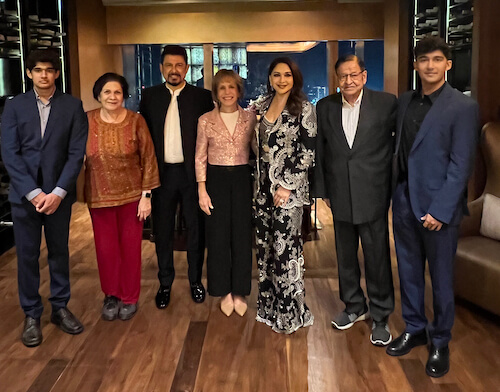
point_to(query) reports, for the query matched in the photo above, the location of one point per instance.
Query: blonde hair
(220, 76)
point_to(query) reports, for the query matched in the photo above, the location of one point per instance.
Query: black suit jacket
(357, 181)
(193, 102)
(55, 160)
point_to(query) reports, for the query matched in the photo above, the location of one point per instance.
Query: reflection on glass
(251, 61)
(310, 57)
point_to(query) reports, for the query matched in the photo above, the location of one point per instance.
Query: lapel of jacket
(52, 121)
(35, 115)
(335, 121)
(241, 124)
(277, 124)
(218, 125)
(403, 103)
(364, 120)
(163, 103)
(436, 111)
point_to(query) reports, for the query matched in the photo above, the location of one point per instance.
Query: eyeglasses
(353, 76)
(40, 70)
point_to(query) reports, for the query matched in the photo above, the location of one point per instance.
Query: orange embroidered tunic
(120, 161)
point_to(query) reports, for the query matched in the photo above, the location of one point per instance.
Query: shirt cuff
(34, 193)
(58, 191)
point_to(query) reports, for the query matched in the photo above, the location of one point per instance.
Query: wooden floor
(194, 347)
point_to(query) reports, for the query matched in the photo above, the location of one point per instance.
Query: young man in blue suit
(44, 133)
(437, 132)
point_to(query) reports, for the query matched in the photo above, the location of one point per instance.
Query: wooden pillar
(208, 65)
(332, 53)
(396, 50)
(485, 83)
(73, 62)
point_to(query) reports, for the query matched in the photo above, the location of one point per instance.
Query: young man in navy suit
(437, 132)
(44, 133)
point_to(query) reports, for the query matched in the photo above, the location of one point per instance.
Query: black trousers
(175, 186)
(378, 274)
(28, 235)
(229, 230)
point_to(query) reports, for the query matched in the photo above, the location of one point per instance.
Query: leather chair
(477, 262)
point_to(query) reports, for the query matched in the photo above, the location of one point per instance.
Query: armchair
(477, 262)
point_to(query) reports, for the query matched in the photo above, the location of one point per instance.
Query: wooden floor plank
(48, 376)
(187, 368)
(415, 374)
(157, 351)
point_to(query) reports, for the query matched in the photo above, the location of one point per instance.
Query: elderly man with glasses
(353, 176)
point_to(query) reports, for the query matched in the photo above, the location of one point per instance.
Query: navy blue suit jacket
(442, 155)
(55, 160)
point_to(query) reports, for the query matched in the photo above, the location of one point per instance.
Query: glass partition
(251, 61)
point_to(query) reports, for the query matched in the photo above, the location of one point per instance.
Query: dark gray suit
(357, 181)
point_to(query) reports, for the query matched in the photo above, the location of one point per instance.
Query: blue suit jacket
(442, 155)
(55, 160)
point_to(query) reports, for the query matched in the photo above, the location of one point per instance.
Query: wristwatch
(147, 195)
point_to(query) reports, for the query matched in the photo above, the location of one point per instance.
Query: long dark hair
(297, 96)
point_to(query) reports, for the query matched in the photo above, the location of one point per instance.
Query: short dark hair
(223, 74)
(109, 77)
(297, 96)
(431, 44)
(174, 50)
(349, 57)
(43, 56)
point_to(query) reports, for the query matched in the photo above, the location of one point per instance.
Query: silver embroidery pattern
(286, 161)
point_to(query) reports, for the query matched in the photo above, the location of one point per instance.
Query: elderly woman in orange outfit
(120, 171)
(225, 192)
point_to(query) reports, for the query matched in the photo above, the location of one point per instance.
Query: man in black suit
(353, 175)
(44, 133)
(173, 126)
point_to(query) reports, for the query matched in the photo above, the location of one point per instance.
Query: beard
(174, 79)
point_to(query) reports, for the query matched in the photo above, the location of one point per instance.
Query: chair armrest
(471, 224)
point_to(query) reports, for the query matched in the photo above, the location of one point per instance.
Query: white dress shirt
(172, 130)
(350, 118)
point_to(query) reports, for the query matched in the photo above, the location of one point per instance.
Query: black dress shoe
(438, 363)
(67, 321)
(404, 343)
(162, 297)
(32, 334)
(197, 292)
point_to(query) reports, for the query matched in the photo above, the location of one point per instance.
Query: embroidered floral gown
(285, 155)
